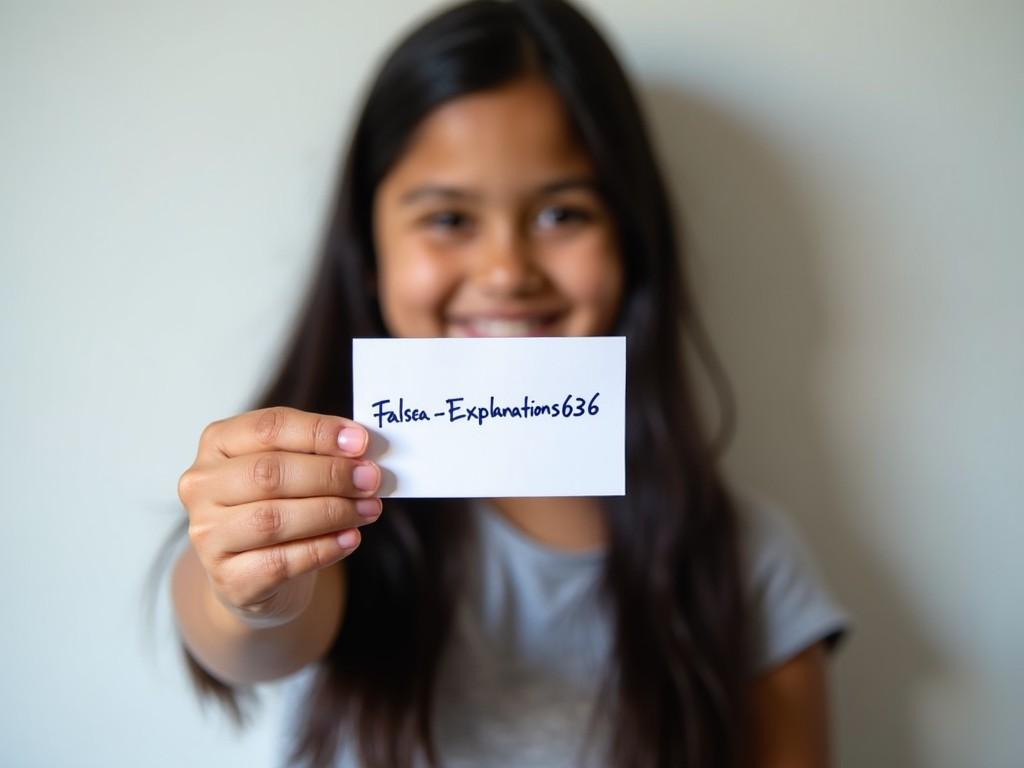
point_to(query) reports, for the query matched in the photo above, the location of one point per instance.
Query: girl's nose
(507, 267)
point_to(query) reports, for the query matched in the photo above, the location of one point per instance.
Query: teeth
(503, 327)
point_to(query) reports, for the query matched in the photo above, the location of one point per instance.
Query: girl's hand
(274, 496)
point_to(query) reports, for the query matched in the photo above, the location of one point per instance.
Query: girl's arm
(238, 653)
(275, 499)
(791, 717)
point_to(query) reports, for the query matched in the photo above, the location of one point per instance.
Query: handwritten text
(457, 409)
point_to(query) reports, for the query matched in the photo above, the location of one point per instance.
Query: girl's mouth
(495, 326)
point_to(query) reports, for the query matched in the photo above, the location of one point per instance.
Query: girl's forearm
(239, 654)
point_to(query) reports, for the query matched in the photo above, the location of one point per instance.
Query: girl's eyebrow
(436, 190)
(587, 183)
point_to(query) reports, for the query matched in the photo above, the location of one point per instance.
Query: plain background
(849, 179)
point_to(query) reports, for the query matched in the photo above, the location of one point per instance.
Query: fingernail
(368, 507)
(352, 439)
(364, 477)
(347, 538)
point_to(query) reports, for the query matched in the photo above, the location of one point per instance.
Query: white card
(494, 417)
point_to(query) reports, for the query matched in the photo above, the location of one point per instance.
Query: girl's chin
(497, 329)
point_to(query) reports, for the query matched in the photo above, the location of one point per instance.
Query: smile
(536, 325)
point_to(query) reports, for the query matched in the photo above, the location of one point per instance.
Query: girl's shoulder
(791, 605)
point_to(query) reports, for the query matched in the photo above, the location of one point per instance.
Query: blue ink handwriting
(456, 409)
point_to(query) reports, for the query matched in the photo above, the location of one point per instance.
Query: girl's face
(490, 224)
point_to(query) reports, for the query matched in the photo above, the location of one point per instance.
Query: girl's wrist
(275, 611)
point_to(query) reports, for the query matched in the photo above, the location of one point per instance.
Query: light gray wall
(849, 177)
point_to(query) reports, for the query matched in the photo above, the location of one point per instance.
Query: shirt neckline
(525, 543)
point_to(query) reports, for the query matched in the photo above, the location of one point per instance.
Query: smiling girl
(500, 182)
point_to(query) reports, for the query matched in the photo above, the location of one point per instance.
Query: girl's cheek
(416, 287)
(592, 280)
(590, 272)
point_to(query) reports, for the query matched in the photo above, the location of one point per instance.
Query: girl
(500, 181)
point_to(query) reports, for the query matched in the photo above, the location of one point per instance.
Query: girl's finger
(279, 475)
(282, 429)
(276, 521)
(249, 577)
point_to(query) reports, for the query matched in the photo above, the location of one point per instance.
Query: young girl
(500, 182)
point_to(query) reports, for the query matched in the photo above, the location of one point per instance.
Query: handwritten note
(494, 417)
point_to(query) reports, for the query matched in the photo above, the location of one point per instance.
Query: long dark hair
(676, 688)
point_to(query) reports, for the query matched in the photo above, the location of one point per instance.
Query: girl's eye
(447, 221)
(560, 215)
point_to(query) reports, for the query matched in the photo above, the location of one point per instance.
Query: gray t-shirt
(531, 641)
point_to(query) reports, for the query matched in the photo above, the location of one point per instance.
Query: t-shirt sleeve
(791, 607)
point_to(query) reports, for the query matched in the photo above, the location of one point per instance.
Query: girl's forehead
(519, 131)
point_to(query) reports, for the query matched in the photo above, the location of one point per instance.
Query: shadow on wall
(746, 220)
